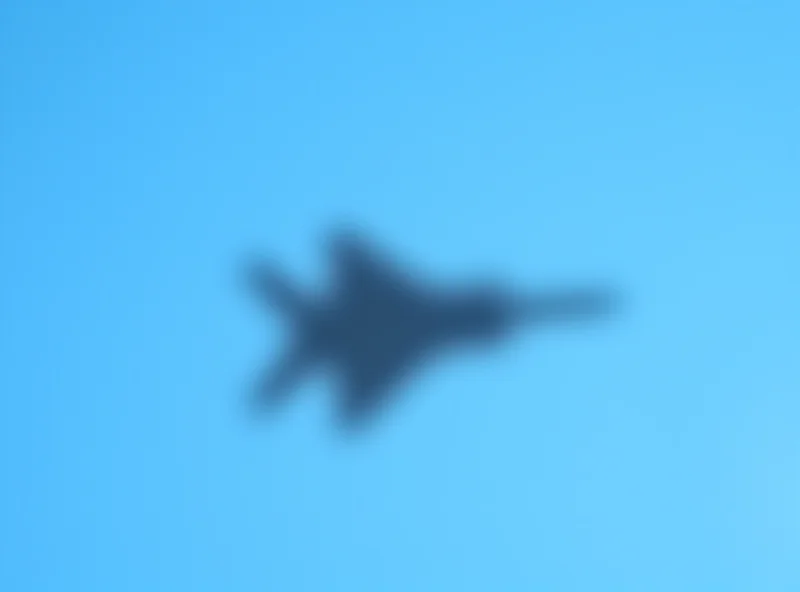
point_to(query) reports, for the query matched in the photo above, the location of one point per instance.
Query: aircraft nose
(582, 303)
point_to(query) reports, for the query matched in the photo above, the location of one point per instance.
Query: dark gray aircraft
(378, 324)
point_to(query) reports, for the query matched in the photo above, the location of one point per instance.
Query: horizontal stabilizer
(275, 288)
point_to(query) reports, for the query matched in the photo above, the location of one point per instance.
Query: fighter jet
(379, 324)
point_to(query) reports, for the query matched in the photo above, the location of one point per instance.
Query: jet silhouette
(379, 324)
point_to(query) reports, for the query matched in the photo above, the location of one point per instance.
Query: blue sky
(147, 146)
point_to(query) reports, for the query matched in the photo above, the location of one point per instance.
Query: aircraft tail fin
(274, 288)
(276, 382)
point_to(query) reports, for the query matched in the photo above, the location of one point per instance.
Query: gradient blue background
(146, 146)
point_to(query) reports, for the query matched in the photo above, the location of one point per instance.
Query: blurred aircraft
(378, 324)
